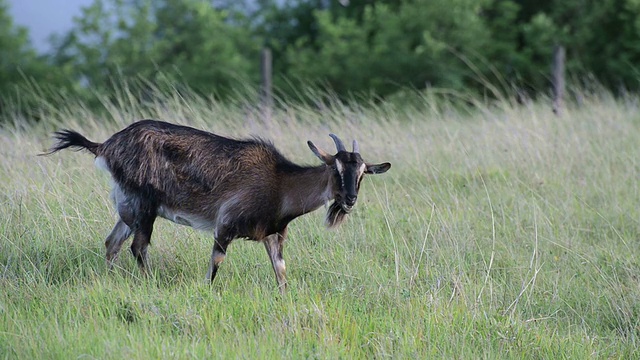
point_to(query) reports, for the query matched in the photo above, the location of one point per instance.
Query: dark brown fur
(239, 188)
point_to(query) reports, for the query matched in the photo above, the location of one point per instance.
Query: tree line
(366, 47)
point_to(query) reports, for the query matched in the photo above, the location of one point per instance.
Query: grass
(506, 233)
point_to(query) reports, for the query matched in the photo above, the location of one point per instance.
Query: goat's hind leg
(120, 233)
(138, 217)
(142, 238)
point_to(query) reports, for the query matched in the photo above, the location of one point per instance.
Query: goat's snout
(350, 200)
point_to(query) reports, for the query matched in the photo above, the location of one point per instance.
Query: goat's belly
(183, 218)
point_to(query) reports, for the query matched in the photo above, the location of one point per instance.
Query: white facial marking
(340, 168)
(362, 169)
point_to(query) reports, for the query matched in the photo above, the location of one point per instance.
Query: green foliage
(189, 41)
(408, 44)
(14, 47)
(378, 49)
(22, 71)
(601, 38)
(382, 46)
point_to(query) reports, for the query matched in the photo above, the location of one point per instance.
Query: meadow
(502, 232)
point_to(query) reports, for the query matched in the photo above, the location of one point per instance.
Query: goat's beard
(336, 215)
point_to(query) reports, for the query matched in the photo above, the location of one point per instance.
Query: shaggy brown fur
(238, 188)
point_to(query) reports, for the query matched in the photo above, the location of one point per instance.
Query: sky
(45, 17)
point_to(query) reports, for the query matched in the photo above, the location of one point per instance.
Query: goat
(235, 188)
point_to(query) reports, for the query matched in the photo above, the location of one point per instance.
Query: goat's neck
(306, 189)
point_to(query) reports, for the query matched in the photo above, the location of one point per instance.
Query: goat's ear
(377, 168)
(321, 154)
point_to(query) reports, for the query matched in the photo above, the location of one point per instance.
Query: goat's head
(349, 168)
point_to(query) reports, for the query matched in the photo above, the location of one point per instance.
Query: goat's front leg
(274, 244)
(217, 257)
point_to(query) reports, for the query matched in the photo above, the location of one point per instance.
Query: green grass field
(505, 233)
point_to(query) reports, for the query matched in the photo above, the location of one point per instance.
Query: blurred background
(362, 49)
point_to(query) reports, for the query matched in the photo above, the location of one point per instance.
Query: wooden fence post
(558, 79)
(266, 96)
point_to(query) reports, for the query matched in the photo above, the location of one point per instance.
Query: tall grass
(506, 233)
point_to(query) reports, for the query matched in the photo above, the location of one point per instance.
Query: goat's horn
(356, 147)
(339, 144)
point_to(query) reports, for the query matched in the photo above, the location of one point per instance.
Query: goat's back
(190, 169)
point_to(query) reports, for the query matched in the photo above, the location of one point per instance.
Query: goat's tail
(74, 140)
